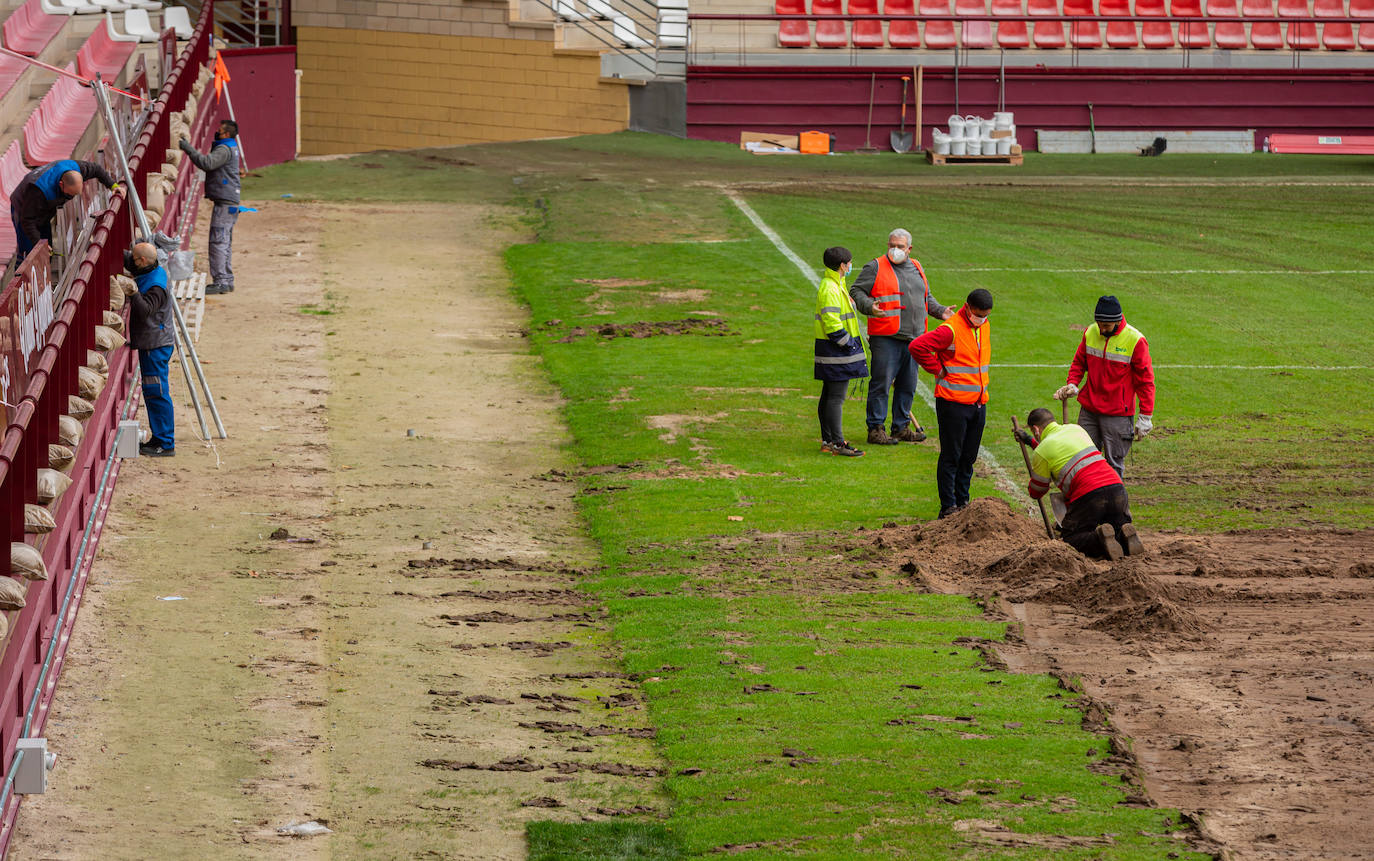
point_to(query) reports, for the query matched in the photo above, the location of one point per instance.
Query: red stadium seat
(939, 34)
(1120, 34)
(1302, 36)
(55, 127)
(974, 34)
(1190, 35)
(1264, 35)
(866, 34)
(1048, 34)
(12, 172)
(103, 56)
(28, 29)
(1010, 34)
(792, 34)
(1364, 9)
(1154, 34)
(1083, 34)
(1336, 35)
(1227, 34)
(902, 34)
(829, 34)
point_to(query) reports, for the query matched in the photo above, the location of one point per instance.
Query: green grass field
(724, 532)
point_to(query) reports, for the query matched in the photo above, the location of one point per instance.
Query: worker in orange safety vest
(893, 293)
(958, 353)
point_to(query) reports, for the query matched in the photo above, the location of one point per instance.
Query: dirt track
(1241, 666)
(422, 708)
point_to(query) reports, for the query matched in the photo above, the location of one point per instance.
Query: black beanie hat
(1108, 310)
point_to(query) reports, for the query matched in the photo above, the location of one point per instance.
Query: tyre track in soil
(415, 708)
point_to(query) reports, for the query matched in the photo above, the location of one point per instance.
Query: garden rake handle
(1025, 455)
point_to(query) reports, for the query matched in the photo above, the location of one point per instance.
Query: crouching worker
(152, 333)
(839, 350)
(1098, 522)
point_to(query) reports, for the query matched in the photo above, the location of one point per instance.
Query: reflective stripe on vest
(966, 361)
(1117, 348)
(886, 318)
(1080, 459)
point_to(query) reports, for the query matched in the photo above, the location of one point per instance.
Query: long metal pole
(102, 97)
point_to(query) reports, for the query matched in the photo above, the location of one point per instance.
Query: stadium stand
(906, 34)
(1120, 34)
(1364, 9)
(28, 30)
(974, 34)
(1228, 35)
(1336, 35)
(1010, 34)
(1083, 34)
(103, 55)
(830, 34)
(866, 34)
(178, 19)
(52, 131)
(1156, 35)
(1190, 35)
(793, 34)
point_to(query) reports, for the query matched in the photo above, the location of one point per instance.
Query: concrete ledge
(629, 82)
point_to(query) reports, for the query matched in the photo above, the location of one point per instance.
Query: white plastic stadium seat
(54, 9)
(177, 18)
(601, 9)
(78, 7)
(137, 23)
(149, 5)
(111, 5)
(623, 30)
(566, 10)
(115, 35)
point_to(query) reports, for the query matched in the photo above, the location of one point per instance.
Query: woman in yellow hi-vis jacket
(839, 350)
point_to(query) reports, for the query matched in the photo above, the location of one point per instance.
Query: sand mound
(1029, 572)
(1114, 587)
(1151, 618)
(983, 520)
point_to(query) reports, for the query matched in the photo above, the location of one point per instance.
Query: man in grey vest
(152, 332)
(221, 168)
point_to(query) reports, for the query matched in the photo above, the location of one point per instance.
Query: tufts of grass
(601, 841)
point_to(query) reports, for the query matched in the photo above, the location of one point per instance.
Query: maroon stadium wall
(723, 101)
(262, 83)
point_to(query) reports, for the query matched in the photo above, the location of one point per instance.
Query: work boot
(1133, 545)
(910, 434)
(878, 436)
(1109, 543)
(841, 448)
(152, 449)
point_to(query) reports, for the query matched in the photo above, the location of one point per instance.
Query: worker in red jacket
(1110, 372)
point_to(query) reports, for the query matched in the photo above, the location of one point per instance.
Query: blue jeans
(961, 433)
(157, 395)
(893, 368)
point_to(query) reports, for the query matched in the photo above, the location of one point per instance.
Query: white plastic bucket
(975, 146)
(984, 128)
(956, 126)
(941, 141)
(1003, 119)
(958, 146)
(1004, 145)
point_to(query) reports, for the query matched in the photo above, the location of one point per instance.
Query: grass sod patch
(601, 841)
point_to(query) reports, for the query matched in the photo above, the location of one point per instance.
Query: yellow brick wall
(368, 89)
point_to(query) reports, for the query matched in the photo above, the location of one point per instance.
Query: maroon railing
(38, 374)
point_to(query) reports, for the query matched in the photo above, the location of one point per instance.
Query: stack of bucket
(973, 135)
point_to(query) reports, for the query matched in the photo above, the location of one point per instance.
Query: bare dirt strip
(1237, 669)
(377, 629)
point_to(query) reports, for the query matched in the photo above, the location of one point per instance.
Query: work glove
(1143, 426)
(1063, 393)
(1024, 437)
(184, 144)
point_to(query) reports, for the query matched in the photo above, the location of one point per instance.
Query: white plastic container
(984, 128)
(958, 146)
(1004, 145)
(941, 141)
(956, 126)
(1003, 120)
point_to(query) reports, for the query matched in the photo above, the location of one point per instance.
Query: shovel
(902, 140)
(868, 146)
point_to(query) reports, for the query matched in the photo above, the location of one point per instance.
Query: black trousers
(961, 433)
(831, 409)
(1108, 504)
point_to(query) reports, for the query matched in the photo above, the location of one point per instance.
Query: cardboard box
(766, 139)
(1001, 133)
(1015, 149)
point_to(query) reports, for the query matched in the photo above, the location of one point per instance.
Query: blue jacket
(151, 321)
(38, 196)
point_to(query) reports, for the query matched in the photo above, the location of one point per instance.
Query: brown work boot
(909, 434)
(1109, 542)
(1133, 545)
(878, 436)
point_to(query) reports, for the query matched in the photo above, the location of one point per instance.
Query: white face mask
(976, 321)
(896, 255)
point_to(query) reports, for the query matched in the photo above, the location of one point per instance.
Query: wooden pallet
(190, 294)
(972, 159)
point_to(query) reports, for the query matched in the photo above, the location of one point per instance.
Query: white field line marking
(1158, 271)
(999, 474)
(1215, 367)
